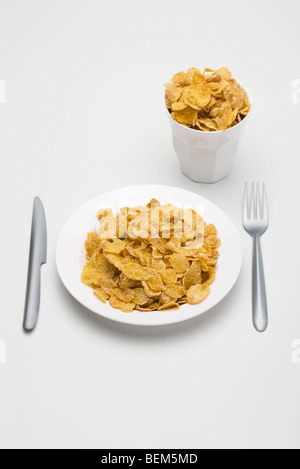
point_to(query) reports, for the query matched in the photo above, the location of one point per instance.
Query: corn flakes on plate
(149, 255)
(207, 101)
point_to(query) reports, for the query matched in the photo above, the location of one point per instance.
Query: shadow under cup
(207, 156)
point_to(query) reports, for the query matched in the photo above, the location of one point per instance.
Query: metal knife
(37, 257)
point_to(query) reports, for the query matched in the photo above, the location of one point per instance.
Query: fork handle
(259, 296)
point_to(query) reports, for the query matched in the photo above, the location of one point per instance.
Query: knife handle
(37, 257)
(33, 293)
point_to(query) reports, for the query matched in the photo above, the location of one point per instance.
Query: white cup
(207, 156)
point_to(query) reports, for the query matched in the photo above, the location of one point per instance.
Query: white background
(83, 115)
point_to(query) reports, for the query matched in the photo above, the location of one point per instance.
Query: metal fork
(255, 221)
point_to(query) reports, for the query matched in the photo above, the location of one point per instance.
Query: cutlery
(255, 222)
(37, 257)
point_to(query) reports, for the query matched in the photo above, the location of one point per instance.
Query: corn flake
(135, 270)
(208, 101)
(197, 293)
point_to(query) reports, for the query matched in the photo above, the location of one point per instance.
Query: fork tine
(245, 204)
(258, 204)
(252, 203)
(264, 215)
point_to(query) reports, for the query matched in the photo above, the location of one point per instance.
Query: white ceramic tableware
(207, 156)
(70, 253)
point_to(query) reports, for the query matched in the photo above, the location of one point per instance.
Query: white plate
(70, 253)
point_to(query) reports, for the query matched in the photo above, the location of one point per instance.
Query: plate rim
(147, 324)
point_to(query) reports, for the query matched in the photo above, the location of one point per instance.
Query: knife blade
(37, 257)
